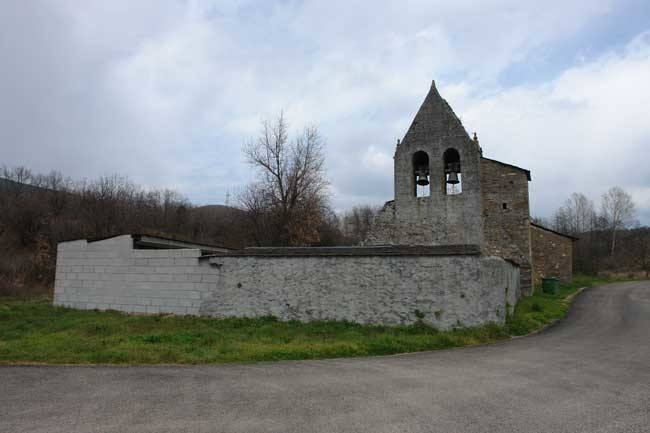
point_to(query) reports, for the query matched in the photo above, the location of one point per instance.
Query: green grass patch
(34, 331)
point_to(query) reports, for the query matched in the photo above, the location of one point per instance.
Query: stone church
(454, 248)
(448, 193)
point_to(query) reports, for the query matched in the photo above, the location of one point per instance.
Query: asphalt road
(590, 373)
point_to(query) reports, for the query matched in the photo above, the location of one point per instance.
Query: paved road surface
(590, 373)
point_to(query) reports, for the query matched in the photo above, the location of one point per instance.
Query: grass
(541, 309)
(33, 331)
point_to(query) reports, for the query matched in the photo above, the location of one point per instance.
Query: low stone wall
(462, 289)
(444, 291)
(552, 254)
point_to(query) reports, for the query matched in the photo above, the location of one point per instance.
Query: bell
(422, 179)
(453, 178)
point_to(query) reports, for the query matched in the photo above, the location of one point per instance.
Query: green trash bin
(550, 285)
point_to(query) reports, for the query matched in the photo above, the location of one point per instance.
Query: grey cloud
(166, 92)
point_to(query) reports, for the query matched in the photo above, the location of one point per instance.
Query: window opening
(421, 174)
(453, 176)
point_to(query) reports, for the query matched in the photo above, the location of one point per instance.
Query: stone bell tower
(437, 183)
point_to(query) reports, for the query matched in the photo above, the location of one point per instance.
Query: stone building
(447, 193)
(452, 249)
(552, 254)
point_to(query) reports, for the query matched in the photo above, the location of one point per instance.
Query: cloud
(584, 131)
(166, 92)
(57, 111)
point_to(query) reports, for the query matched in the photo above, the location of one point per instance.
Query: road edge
(570, 299)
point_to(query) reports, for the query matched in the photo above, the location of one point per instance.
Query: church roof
(435, 118)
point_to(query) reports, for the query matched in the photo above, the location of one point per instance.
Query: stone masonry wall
(445, 291)
(552, 255)
(506, 213)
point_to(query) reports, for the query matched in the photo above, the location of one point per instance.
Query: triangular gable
(435, 118)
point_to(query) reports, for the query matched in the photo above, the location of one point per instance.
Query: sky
(167, 92)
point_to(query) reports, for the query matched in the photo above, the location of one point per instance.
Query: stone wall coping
(505, 164)
(546, 229)
(375, 250)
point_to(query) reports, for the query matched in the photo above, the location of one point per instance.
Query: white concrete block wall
(111, 275)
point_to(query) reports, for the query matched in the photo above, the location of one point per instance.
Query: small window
(505, 206)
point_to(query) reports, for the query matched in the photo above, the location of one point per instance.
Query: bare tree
(330, 229)
(292, 190)
(561, 220)
(19, 174)
(254, 199)
(357, 222)
(20, 179)
(644, 254)
(617, 210)
(37, 211)
(636, 245)
(576, 216)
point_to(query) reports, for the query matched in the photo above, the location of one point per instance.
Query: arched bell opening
(453, 177)
(421, 174)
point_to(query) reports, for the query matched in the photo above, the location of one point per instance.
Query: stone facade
(439, 218)
(444, 287)
(449, 256)
(506, 215)
(552, 254)
(491, 208)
